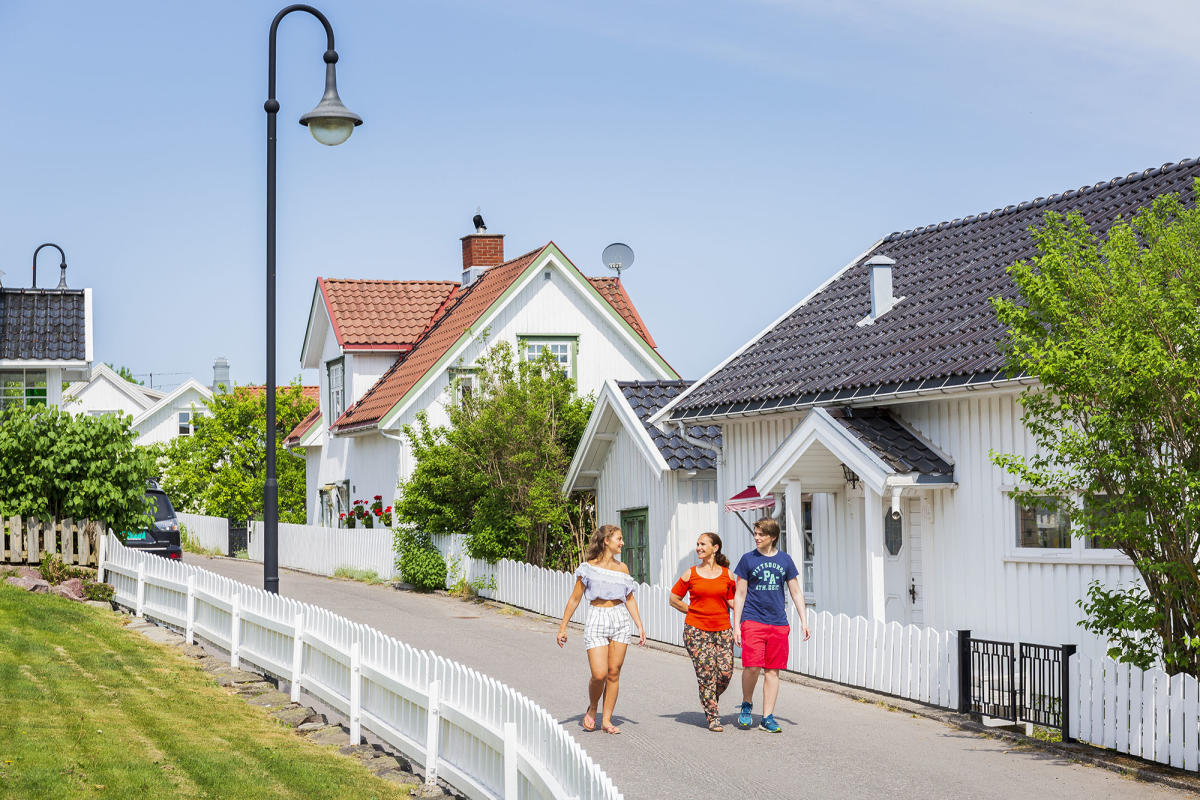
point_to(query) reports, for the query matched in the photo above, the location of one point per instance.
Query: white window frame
(460, 378)
(1077, 553)
(335, 394)
(29, 380)
(542, 341)
(187, 418)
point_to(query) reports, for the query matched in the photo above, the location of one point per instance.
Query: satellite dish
(617, 256)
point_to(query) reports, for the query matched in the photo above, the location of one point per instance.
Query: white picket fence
(1144, 713)
(483, 738)
(907, 661)
(211, 533)
(322, 551)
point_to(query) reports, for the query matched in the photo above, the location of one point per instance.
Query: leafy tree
(1110, 327)
(125, 372)
(220, 469)
(496, 472)
(55, 465)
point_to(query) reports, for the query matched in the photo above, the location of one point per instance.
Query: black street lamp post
(62, 275)
(330, 123)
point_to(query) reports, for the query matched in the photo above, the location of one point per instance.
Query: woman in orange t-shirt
(707, 633)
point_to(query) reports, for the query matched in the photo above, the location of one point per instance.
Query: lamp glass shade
(331, 130)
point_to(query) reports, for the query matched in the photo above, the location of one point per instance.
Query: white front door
(896, 572)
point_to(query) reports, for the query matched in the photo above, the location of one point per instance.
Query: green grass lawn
(90, 710)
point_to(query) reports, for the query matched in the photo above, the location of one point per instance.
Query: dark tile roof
(902, 449)
(647, 397)
(43, 324)
(943, 334)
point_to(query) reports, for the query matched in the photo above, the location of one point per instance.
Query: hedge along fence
(25, 541)
(487, 740)
(904, 660)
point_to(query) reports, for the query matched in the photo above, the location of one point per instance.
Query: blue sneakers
(745, 720)
(769, 724)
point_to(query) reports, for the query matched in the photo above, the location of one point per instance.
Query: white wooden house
(661, 488)
(158, 416)
(869, 411)
(387, 350)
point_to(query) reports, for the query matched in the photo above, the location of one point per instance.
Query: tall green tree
(221, 468)
(55, 465)
(1110, 327)
(495, 472)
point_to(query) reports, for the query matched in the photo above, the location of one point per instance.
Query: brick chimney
(480, 251)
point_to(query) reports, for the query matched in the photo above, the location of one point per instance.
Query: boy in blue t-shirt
(760, 623)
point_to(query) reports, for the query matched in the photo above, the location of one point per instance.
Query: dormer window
(336, 374)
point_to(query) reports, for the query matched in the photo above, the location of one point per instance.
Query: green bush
(420, 562)
(54, 570)
(97, 591)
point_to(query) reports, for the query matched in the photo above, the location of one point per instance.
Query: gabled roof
(647, 397)
(943, 335)
(43, 325)
(141, 396)
(469, 306)
(191, 384)
(297, 433)
(383, 315)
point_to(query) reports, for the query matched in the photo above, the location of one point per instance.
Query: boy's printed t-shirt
(766, 577)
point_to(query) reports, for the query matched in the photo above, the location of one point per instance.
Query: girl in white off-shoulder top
(607, 586)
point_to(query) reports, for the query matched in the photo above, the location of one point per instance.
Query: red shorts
(763, 645)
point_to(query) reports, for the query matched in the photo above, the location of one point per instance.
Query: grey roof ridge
(1037, 202)
(663, 412)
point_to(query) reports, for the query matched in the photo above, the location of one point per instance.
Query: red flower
(388, 509)
(378, 497)
(378, 513)
(341, 516)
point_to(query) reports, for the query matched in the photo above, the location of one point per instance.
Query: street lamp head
(331, 123)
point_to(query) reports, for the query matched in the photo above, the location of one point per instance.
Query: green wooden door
(636, 553)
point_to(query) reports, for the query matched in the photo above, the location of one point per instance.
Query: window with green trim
(635, 530)
(462, 382)
(22, 387)
(564, 348)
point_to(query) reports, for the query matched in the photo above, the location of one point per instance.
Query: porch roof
(879, 448)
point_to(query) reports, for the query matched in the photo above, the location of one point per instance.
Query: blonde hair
(599, 538)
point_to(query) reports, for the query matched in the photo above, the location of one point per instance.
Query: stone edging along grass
(263, 691)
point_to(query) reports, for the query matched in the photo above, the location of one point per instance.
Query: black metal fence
(1019, 683)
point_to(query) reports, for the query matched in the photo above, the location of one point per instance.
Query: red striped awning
(748, 500)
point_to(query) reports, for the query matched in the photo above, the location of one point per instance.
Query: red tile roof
(384, 315)
(612, 290)
(297, 433)
(311, 392)
(470, 304)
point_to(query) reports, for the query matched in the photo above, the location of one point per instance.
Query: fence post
(190, 629)
(297, 656)
(140, 602)
(433, 725)
(235, 632)
(1064, 703)
(964, 672)
(103, 553)
(510, 759)
(355, 693)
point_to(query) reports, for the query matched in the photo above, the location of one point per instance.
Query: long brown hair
(600, 536)
(720, 557)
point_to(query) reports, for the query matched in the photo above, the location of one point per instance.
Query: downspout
(683, 434)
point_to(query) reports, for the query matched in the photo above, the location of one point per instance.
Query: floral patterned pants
(712, 656)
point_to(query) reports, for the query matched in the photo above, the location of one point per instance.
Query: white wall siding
(627, 482)
(975, 577)
(839, 579)
(163, 424)
(101, 395)
(695, 512)
(748, 443)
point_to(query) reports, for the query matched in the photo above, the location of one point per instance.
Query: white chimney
(220, 374)
(882, 299)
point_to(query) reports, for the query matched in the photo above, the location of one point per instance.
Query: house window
(1098, 505)
(22, 387)
(336, 370)
(185, 423)
(806, 524)
(563, 348)
(462, 382)
(1042, 525)
(333, 501)
(893, 533)
(636, 552)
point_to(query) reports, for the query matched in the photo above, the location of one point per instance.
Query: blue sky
(745, 150)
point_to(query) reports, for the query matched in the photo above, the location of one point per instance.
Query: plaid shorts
(605, 624)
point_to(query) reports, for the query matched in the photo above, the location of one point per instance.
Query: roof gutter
(683, 434)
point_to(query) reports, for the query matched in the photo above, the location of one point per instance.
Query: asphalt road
(831, 746)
